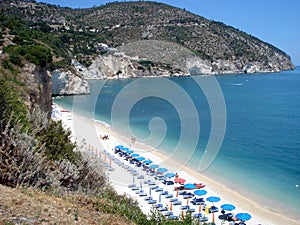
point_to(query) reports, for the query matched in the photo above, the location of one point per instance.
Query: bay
(260, 154)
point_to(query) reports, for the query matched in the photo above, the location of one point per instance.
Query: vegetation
(36, 153)
(76, 32)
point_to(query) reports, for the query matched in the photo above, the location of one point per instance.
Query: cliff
(65, 82)
(38, 81)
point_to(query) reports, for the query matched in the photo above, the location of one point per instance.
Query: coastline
(89, 130)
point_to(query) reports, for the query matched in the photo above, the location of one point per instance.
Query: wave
(236, 84)
(102, 122)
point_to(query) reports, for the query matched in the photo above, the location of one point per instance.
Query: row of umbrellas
(199, 192)
(145, 162)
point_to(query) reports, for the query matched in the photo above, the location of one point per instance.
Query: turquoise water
(260, 154)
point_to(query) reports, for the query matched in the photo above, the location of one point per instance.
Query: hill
(222, 48)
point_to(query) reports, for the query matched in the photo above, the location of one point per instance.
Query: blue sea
(243, 130)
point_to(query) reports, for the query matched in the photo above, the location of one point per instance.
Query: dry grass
(29, 206)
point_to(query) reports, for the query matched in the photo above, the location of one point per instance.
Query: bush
(38, 55)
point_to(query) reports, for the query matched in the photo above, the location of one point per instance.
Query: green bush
(12, 108)
(38, 55)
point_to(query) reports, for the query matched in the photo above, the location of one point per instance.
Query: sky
(272, 21)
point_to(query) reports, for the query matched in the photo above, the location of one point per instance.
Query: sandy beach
(88, 131)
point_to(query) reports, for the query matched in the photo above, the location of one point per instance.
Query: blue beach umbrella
(169, 175)
(124, 149)
(119, 146)
(129, 151)
(189, 186)
(153, 166)
(200, 192)
(148, 161)
(228, 207)
(162, 170)
(243, 216)
(213, 199)
(135, 155)
(140, 158)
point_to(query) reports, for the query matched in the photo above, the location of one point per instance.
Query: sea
(242, 129)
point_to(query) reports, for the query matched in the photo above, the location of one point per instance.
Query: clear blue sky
(273, 21)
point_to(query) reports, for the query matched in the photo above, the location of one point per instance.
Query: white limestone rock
(68, 83)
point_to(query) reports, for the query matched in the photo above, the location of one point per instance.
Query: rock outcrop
(38, 81)
(68, 83)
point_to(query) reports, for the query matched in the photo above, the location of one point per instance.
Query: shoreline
(79, 124)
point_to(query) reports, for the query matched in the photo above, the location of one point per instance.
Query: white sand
(88, 131)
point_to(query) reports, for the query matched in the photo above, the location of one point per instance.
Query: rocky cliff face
(64, 82)
(38, 81)
(160, 58)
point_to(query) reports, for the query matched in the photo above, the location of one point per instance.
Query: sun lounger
(152, 201)
(158, 189)
(168, 182)
(198, 201)
(213, 209)
(159, 205)
(162, 209)
(188, 195)
(147, 181)
(140, 177)
(168, 213)
(151, 183)
(203, 219)
(177, 203)
(184, 207)
(148, 198)
(164, 193)
(197, 215)
(190, 210)
(154, 187)
(135, 188)
(172, 217)
(139, 191)
(169, 196)
(173, 199)
(143, 194)
(183, 193)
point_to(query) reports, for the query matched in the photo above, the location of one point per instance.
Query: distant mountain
(221, 48)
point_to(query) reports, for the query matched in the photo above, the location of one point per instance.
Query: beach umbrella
(140, 158)
(119, 146)
(124, 149)
(228, 207)
(213, 199)
(129, 151)
(153, 166)
(162, 170)
(135, 155)
(169, 175)
(189, 186)
(243, 216)
(148, 161)
(200, 193)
